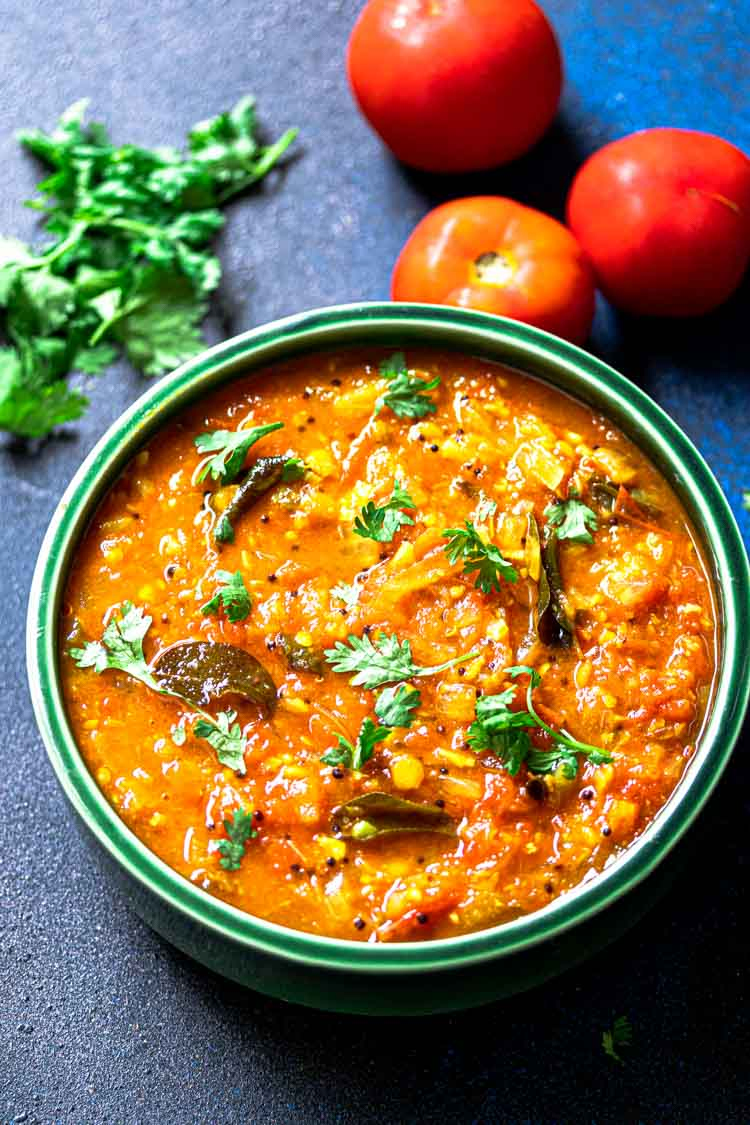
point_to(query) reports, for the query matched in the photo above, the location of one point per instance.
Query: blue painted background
(99, 1020)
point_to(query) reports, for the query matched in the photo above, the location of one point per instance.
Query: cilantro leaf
(406, 394)
(395, 706)
(479, 557)
(572, 519)
(746, 499)
(388, 661)
(239, 830)
(121, 646)
(225, 736)
(503, 730)
(355, 757)
(349, 594)
(232, 595)
(229, 449)
(31, 408)
(382, 523)
(618, 1036)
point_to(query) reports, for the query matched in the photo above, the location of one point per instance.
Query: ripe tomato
(455, 85)
(664, 217)
(494, 254)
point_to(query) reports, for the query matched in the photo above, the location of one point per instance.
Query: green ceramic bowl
(423, 976)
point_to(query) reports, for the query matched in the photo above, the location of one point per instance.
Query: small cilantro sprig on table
(505, 733)
(121, 649)
(480, 558)
(385, 661)
(407, 393)
(232, 595)
(382, 523)
(619, 1035)
(239, 830)
(572, 519)
(226, 451)
(394, 707)
(129, 265)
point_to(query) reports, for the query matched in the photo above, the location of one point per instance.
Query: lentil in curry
(419, 661)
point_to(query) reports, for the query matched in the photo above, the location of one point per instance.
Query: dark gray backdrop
(99, 1020)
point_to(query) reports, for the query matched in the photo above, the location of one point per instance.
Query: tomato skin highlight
(539, 276)
(664, 218)
(455, 85)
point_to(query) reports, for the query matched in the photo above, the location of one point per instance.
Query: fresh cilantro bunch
(129, 263)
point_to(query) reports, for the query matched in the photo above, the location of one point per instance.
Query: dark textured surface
(99, 1020)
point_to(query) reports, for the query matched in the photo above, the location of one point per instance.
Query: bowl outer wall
(397, 326)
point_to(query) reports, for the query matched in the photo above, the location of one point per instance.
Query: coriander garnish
(572, 519)
(226, 450)
(505, 732)
(479, 557)
(232, 596)
(388, 660)
(381, 523)
(239, 830)
(406, 394)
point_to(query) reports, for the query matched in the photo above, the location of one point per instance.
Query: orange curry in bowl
(388, 648)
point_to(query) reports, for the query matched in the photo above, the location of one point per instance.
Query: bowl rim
(338, 327)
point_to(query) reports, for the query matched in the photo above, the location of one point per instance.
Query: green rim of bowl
(396, 326)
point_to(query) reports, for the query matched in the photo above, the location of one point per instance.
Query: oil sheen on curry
(388, 647)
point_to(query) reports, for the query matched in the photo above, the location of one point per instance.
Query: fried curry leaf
(354, 757)
(301, 657)
(556, 602)
(407, 393)
(387, 660)
(232, 596)
(572, 519)
(503, 729)
(201, 671)
(619, 1035)
(225, 736)
(395, 706)
(227, 450)
(480, 558)
(130, 256)
(382, 523)
(121, 646)
(239, 830)
(379, 814)
(264, 475)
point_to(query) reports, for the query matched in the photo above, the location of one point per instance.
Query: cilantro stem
(561, 737)
(73, 237)
(264, 165)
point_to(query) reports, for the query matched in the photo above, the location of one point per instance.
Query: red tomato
(494, 254)
(455, 85)
(664, 217)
